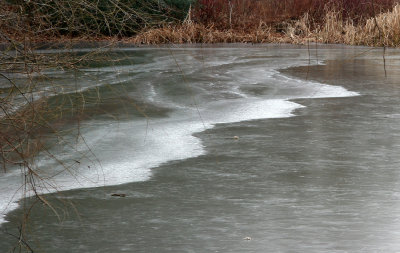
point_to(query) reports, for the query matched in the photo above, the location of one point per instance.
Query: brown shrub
(245, 14)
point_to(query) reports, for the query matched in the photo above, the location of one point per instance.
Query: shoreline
(126, 43)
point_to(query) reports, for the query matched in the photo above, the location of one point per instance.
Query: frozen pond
(315, 167)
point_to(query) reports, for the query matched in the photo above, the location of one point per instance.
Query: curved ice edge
(180, 135)
(240, 112)
(323, 90)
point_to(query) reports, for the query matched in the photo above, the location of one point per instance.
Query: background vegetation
(355, 22)
(249, 13)
(94, 19)
(46, 19)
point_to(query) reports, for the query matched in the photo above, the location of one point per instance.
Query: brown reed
(380, 30)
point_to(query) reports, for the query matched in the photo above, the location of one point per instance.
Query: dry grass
(355, 22)
(380, 30)
(246, 14)
(384, 29)
(199, 33)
